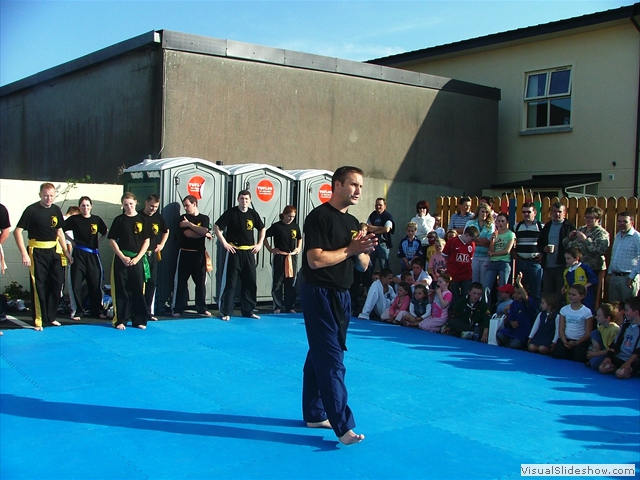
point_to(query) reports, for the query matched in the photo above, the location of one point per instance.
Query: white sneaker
(363, 316)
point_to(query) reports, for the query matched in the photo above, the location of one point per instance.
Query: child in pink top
(400, 303)
(437, 262)
(439, 307)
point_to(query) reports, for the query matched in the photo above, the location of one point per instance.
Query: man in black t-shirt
(160, 234)
(43, 220)
(5, 224)
(333, 246)
(191, 258)
(239, 242)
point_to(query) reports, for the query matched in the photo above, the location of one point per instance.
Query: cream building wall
(17, 195)
(605, 66)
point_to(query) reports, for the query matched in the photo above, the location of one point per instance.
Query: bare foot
(175, 315)
(292, 311)
(351, 438)
(56, 323)
(141, 327)
(103, 316)
(121, 326)
(276, 311)
(37, 329)
(225, 318)
(153, 319)
(206, 313)
(75, 319)
(254, 316)
(323, 424)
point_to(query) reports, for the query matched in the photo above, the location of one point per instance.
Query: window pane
(536, 114)
(591, 189)
(536, 85)
(560, 111)
(560, 82)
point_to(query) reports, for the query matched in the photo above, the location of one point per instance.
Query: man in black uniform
(239, 242)
(5, 224)
(191, 258)
(160, 234)
(333, 246)
(43, 220)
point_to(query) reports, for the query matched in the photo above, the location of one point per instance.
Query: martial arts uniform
(46, 271)
(86, 262)
(285, 238)
(127, 283)
(158, 229)
(191, 263)
(239, 233)
(326, 305)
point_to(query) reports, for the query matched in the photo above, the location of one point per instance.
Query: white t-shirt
(575, 321)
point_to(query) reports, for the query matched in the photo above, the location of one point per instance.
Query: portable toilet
(173, 179)
(312, 188)
(271, 190)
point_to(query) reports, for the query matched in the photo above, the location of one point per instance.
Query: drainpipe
(636, 11)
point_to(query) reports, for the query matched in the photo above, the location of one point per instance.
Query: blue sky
(40, 34)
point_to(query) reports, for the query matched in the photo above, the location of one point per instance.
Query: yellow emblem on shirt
(354, 233)
(294, 234)
(54, 221)
(156, 228)
(249, 224)
(94, 228)
(138, 228)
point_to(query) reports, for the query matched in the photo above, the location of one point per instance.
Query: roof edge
(94, 58)
(607, 16)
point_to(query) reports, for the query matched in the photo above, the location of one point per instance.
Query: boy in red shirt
(459, 253)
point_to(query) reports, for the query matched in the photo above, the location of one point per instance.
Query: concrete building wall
(87, 122)
(414, 142)
(17, 195)
(605, 65)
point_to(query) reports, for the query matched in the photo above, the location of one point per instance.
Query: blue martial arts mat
(205, 399)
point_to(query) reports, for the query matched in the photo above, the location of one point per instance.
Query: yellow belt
(33, 243)
(242, 247)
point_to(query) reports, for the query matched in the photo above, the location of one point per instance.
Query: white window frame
(548, 98)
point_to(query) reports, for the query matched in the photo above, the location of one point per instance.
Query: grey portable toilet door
(317, 192)
(270, 193)
(191, 180)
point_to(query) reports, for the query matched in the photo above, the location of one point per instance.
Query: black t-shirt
(4, 218)
(129, 232)
(158, 227)
(240, 226)
(42, 223)
(194, 243)
(329, 229)
(85, 230)
(285, 237)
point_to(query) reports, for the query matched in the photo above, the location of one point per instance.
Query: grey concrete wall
(88, 122)
(413, 143)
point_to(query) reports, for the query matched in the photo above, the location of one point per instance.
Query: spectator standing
(238, 240)
(43, 221)
(459, 254)
(381, 223)
(484, 222)
(593, 241)
(423, 220)
(459, 220)
(526, 251)
(287, 243)
(551, 246)
(159, 236)
(624, 260)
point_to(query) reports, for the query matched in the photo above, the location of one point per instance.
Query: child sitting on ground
(380, 296)
(440, 306)
(417, 275)
(469, 316)
(577, 273)
(545, 327)
(419, 308)
(505, 294)
(603, 336)
(437, 262)
(410, 247)
(574, 327)
(624, 354)
(520, 317)
(399, 304)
